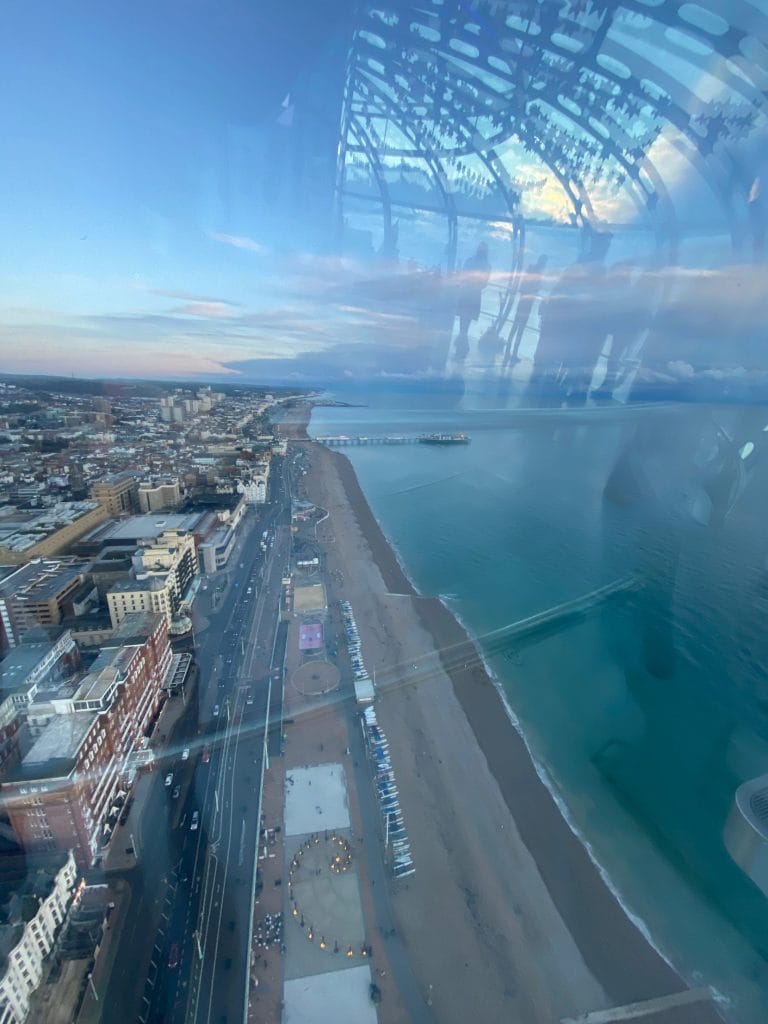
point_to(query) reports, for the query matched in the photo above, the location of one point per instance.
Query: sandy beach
(507, 917)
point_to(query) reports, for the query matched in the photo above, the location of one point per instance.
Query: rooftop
(17, 666)
(110, 667)
(58, 743)
(42, 579)
(137, 528)
(136, 627)
(25, 530)
(156, 582)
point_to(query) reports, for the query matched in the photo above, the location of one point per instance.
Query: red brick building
(68, 789)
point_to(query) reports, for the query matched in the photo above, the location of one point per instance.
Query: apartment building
(163, 569)
(68, 789)
(27, 935)
(118, 492)
(41, 593)
(153, 497)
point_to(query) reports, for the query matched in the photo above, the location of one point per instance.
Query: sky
(160, 218)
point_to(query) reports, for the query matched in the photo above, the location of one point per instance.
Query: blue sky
(142, 234)
(116, 134)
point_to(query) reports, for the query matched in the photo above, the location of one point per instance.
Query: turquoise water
(647, 714)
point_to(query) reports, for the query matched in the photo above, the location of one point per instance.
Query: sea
(645, 713)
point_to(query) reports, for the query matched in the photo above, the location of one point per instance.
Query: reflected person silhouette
(473, 279)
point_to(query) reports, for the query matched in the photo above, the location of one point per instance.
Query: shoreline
(581, 894)
(612, 944)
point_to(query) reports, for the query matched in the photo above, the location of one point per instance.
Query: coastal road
(149, 981)
(228, 872)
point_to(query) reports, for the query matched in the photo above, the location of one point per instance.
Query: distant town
(116, 508)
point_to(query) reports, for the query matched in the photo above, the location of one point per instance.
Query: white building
(28, 936)
(254, 490)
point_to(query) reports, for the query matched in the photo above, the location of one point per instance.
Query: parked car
(206, 757)
(173, 956)
(195, 821)
(176, 791)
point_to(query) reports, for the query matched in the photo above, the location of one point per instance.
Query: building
(254, 487)
(138, 530)
(27, 935)
(41, 593)
(163, 569)
(39, 534)
(154, 497)
(89, 736)
(215, 551)
(35, 664)
(117, 492)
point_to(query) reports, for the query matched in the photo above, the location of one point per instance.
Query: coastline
(615, 953)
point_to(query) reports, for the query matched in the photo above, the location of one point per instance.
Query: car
(176, 791)
(173, 956)
(169, 779)
(215, 710)
(249, 698)
(206, 756)
(195, 821)
(185, 754)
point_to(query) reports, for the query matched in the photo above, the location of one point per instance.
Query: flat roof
(111, 664)
(136, 627)
(41, 580)
(60, 739)
(310, 636)
(17, 665)
(155, 582)
(137, 528)
(25, 530)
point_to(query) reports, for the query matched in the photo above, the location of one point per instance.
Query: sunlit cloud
(238, 241)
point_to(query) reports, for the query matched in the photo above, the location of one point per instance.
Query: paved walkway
(124, 851)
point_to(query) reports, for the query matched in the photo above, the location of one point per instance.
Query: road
(184, 944)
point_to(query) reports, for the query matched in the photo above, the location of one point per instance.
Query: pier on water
(342, 441)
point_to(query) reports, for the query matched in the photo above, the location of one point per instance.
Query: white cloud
(238, 241)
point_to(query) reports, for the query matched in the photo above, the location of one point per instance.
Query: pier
(342, 440)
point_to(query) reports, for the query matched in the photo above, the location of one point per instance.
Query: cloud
(211, 310)
(180, 293)
(238, 241)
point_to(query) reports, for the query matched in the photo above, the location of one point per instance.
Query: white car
(185, 754)
(169, 779)
(215, 710)
(195, 821)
